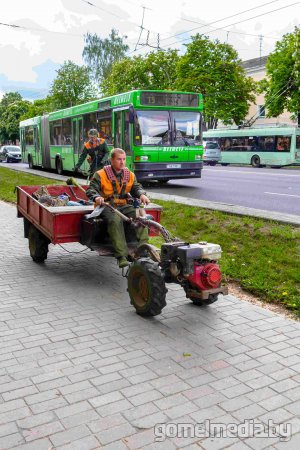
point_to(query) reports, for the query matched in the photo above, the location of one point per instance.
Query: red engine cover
(206, 276)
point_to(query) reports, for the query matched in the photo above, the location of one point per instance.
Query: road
(267, 189)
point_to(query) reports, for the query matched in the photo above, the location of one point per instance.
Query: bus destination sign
(169, 99)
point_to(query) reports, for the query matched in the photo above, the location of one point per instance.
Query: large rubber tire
(211, 299)
(59, 166)
(255, 161)
(38, 244)
(146, 287)
(224, 164)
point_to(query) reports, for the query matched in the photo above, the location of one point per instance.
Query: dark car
(10, 153)
(212, 153)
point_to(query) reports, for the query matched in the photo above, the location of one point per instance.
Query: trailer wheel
(38, 244)
(199, 302)
(146, 287)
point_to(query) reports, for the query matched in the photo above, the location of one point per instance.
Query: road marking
(276, 193)
(256, 173)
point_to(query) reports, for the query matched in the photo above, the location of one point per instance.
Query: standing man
(97, 150)
(113, 184)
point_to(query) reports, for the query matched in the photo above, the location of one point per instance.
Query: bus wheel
(163, 181)
(59, 166)
(146, 287)
(224, 164)
(38, 244)
(30, 162)
(255, 161)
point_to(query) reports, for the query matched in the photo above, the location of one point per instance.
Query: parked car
(212, 153)
(10, 153)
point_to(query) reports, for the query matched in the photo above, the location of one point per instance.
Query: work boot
(123, 262)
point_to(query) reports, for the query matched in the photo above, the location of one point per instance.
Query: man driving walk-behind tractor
(115, 184)
(192, 266)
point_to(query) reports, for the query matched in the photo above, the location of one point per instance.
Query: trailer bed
(62, 224)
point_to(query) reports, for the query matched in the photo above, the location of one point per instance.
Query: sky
(36, 36)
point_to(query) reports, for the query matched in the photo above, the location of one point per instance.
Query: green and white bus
(159, 130)
(272, 146)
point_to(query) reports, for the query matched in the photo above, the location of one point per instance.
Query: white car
(212, 153)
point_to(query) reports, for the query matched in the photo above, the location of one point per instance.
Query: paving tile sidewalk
(79, 369)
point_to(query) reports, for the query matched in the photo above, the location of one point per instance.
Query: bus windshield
(167, 128)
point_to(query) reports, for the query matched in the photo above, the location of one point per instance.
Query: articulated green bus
(159, 130)
(273, 146)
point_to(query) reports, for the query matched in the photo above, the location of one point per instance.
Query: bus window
(283, 143)
(104, 119)
(118, 130)
(66, 132)
(126, 133)
(152, 128)
(186, 128)
(55, 132)
(89, 122)
(29, 135)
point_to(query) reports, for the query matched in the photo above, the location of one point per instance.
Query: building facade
(256, 69)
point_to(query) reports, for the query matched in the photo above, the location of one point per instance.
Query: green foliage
(214, 69)
(100, 54)
(9, 179)
(38, 108)
(157, 70)
(283, 76)
(12, 107)
(72, 86)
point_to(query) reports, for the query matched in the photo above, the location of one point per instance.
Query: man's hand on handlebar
(99, 200)
(144, 199)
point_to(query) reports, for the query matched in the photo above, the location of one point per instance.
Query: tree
(72, 86)
(282, 85)
(11, 108)
(38, 108)
(100, 54)
(215, 70)
(157, 70)
(10, 116)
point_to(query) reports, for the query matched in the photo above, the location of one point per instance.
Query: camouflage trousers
(115, 228)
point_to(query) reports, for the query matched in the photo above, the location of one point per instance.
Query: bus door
(123, 134)
(23, 144)
(77, 138)
(37, 146)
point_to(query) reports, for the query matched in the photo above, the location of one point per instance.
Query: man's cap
(93, 132)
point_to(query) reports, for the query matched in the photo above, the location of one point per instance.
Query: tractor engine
(193, 266)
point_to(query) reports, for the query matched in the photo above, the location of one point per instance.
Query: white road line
(276, 193)
(257, 173)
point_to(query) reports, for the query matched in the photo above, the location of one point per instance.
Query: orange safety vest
(111, 188)
(88, 145)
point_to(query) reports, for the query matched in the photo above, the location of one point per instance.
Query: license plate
(173, 166)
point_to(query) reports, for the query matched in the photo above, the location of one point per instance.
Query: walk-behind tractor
(193, 266)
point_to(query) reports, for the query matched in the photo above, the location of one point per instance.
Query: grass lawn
(9, 179)
(260, 255)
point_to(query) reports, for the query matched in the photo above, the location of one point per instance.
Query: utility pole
(260, 46)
